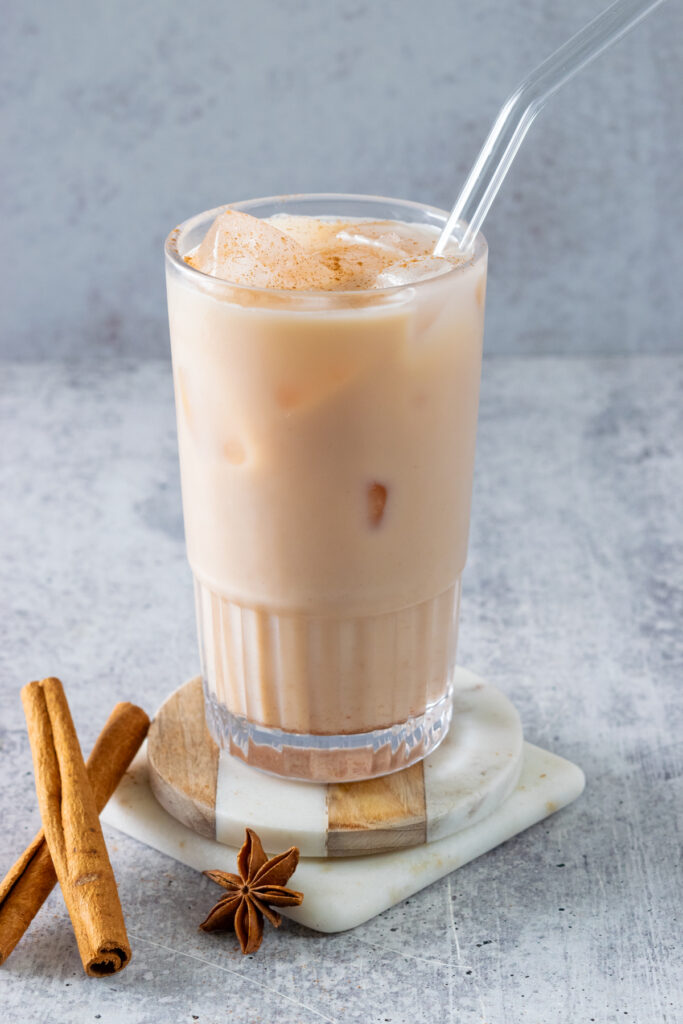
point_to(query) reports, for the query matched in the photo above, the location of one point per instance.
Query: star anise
(259, 886)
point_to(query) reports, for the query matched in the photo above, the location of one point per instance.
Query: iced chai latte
(326, 371)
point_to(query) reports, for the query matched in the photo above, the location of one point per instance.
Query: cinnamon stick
(30, 880)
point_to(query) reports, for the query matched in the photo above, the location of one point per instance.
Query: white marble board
(343, 893)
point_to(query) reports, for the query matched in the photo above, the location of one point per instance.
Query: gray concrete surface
(119, 120)
(573, 602)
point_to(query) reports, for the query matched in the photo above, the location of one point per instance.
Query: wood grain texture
(363, 817)
(378, 814)
(217, 795)
(183, 760)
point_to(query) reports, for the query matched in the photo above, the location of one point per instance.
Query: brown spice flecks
(377, 499)
(253, 893)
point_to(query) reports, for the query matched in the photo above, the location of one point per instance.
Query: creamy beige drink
(327, 375)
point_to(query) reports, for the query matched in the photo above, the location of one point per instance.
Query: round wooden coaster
(476, 767)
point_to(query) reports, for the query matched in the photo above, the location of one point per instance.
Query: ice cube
(248, 251)
(402, 239)
(388, 241)
(417, 268)
(377, 499)
(354, 266)
(233, 451)
(301, 388)
(309, 232)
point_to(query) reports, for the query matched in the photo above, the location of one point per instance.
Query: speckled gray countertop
(573, 604)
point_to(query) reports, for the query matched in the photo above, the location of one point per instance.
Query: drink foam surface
(303, 253)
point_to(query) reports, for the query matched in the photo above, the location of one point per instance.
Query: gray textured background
(121, 119)
(572, 604)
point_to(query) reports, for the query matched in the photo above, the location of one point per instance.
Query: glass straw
(520, 109)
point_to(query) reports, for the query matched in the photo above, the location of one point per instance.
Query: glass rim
(200, 277)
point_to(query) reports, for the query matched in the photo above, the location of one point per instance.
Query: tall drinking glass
(326, 446)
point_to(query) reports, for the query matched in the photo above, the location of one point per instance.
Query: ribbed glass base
(326, 758)
(328, 698)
